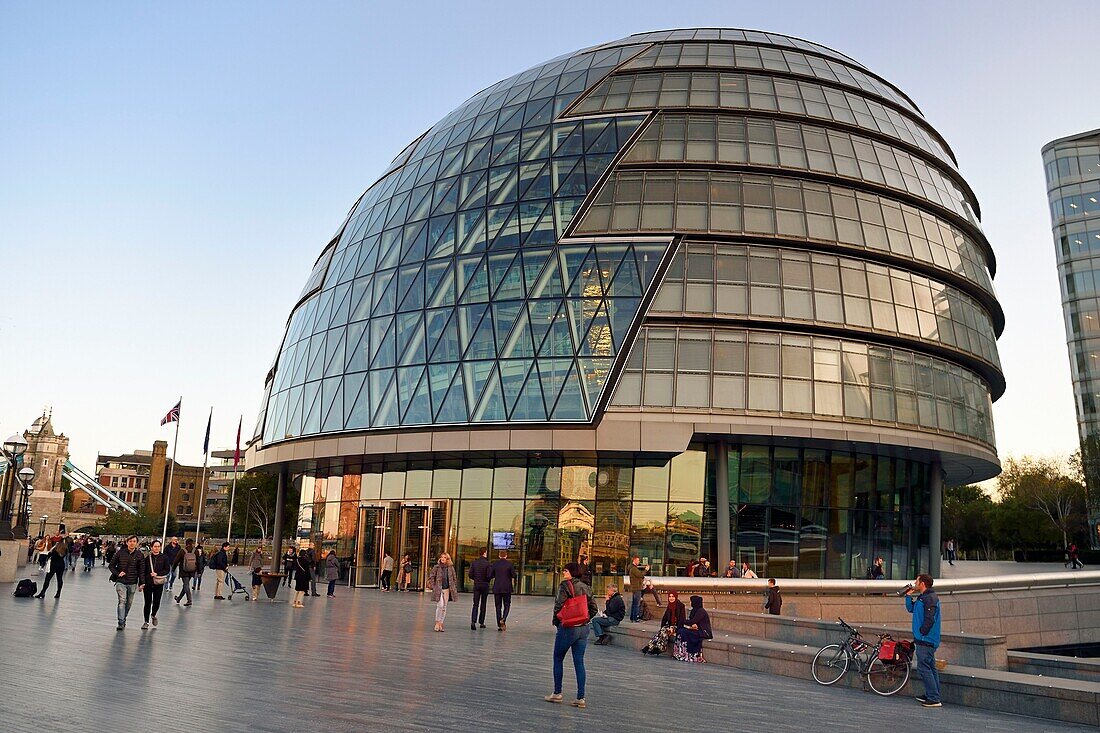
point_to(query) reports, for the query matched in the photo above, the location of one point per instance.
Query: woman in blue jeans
(571, 638)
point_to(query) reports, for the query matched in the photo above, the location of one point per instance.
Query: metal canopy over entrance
(417, 529)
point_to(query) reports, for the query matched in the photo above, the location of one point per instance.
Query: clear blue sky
(171, 172)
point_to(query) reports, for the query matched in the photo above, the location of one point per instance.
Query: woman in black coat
(694, 631)
(157, 567)
(302, 574)
(56, 565)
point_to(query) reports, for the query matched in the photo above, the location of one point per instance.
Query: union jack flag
(173, 414)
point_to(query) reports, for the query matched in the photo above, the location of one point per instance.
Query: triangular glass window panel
(572, 83)
(382, 342)
(545, 86)
(473, 279)
(476, 374)
(506, 148)
(485, 124)
(593, 378)
(609, 258)
(535, 143)
(594, 166)
(598, 341)
(414, 297)
(477, 155)
(447, 346)
(453, 409)
(510, 118)
(558, 342)
(408, 379)
(482, 345)
(503, 185)
(357, 349)
(360, 298)
(383, 282)
(543, 231)
(469, 318)
(504, 316)
(415, 245)
(406, 276)
(341, 300)
(399, 206)
(473, 190)
(554, 373)
(291, 422)
(429, 170)
(322, 314)
(539, 112)
(334, 356)
(542, 314)
(571, 261)
(513, 374)
(529, 404)
(534, 180)
(625, 281)
(442, 233)
(316, 356)
(410, 339)
(389, 249)
(599, 136)
(357, 401)
(621, 312)
(387, 414)
(446, 196)
(529, 214)
(368, 257)
(301, 362)
(470, 231)
(440, 377)
(507, 234)
(533, 262)
(419, 409)
(648, 258)
(332, 417)
(570, 404)
(548, 282)
(491, 408)
(519, 343)
(452, 161)
(420, 204)
(311, 408)
(568, 139)
(569, 177)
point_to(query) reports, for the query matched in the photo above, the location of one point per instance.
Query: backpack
(190, 562)
(25, 588)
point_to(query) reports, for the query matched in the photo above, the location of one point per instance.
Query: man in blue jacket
(922, 602)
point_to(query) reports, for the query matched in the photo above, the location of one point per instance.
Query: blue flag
(206, 442)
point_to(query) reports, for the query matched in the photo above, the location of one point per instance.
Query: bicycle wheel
(887, 679)
(830, 664)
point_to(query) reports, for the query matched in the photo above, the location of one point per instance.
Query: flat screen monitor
(504, 540)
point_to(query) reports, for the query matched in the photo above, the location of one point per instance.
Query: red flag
(237, 452)
(173, 414)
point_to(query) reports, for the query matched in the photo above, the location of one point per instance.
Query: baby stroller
(235, 587)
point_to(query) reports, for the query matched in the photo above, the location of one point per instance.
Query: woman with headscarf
(692, 632)
(302, 574)
(675, 615)
(572, 634)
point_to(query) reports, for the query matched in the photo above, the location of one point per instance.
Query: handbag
(157, 579)
(574, 612)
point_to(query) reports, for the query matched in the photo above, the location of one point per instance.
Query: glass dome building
(702, 292)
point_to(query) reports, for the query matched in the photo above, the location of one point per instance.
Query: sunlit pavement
(366, 661)
(982, 568)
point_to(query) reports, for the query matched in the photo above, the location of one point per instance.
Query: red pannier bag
(896, 651)
(574, 612)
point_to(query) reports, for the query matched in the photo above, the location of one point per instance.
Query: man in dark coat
(614, 611)
(775, 600)
(479, 573)
(220, 564)
(128, 572)
(502, 574)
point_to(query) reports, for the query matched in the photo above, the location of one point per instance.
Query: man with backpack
(187, 563)
(219, 563)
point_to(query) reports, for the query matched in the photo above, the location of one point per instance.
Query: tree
(968, 517)
(1046, 486)
(254, 508)
(143, 524)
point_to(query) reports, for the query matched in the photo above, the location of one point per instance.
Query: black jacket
(502, 573)
(220, 561)
(615, 608)
(87, 552)
(674, 614)
(699, 617)
(57, 558)
(159, 564)
(774, 602)
(130, 563)
(479, 571)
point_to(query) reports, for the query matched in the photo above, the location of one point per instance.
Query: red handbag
(574, 612)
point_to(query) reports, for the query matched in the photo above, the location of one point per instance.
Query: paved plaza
(370, 661)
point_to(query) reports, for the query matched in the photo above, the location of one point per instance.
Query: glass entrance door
(414, 534)
(373, 532)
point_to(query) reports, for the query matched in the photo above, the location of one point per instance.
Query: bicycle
(883, 677)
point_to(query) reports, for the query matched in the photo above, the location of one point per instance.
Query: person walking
(614, 611)
(503, 573)
(255, 567)
(1073, 555)
(187, 566)
(479, 573)
(332, 572)
(87, 554)
(219, 563)
(314, 562)
(387, 572)
(924, 605)
(774, 601)
(302, 576)
(289, 561)
(571, 636)
(406, 573)
(236, 556)
(56, 559)
(75, 546)
(172, 551)
(203, 560)
(443, 582)
(952, 550)
(42, 547)
(637, 572)
(109, 552)
(128, 573)
(157, 569)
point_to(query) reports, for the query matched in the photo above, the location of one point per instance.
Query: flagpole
(233, 492)
(171, 474)
(202, 486)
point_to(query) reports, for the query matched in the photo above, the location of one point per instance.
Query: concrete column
(722, 494)
(277, 531)
(935, 516)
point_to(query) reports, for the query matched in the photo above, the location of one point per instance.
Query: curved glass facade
(543, 327)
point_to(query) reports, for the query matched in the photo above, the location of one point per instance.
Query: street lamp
(14, 447)
(22, 516)
(42, 525)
